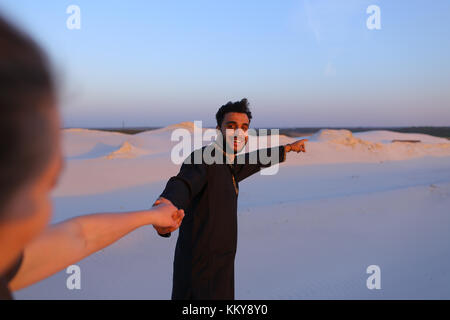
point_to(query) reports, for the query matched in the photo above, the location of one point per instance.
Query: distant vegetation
(127, 130)
(443, 132)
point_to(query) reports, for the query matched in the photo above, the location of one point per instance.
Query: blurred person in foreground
(30, 164)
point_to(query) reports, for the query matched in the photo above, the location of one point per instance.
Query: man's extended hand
(166, 229)
(167, 215)
(297, 146)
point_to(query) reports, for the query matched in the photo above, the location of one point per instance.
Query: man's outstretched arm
(253, 161)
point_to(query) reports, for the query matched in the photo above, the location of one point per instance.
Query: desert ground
(307, 232)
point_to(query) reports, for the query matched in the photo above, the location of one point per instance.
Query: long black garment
(207, 240)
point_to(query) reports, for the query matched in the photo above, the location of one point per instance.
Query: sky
(302, 63)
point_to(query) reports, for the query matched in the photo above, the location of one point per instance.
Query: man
(208, 192)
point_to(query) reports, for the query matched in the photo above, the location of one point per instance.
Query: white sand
(310, 231)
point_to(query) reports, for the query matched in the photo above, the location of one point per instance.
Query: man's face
(235, 130)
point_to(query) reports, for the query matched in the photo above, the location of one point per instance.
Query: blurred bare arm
(70, 241)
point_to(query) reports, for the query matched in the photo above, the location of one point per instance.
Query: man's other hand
(297, 146)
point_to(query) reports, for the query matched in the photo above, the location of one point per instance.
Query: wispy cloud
(333, 24)
(311, 20)
(330, 70)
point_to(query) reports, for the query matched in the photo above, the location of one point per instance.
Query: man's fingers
(180, 216)
(161, 230)
(162, 200)
(177, 219)
(302, 145)
(157, 202)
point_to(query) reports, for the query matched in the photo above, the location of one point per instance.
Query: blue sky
(300, 63)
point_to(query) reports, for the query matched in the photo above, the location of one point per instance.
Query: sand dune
(310, 231)
(126, 150)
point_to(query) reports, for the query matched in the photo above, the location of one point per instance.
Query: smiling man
(208, 193)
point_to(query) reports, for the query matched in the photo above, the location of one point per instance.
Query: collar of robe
(230, 163)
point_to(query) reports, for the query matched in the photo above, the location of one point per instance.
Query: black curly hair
(238, 106)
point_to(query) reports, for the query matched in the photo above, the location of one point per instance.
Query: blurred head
(30, 158)
(233, 121)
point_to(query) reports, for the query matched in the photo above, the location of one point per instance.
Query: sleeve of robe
(183, 187)
(248, 168)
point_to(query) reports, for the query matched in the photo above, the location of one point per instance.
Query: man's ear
(219, 129)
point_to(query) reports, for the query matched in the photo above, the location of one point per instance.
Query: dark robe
(207, 240)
